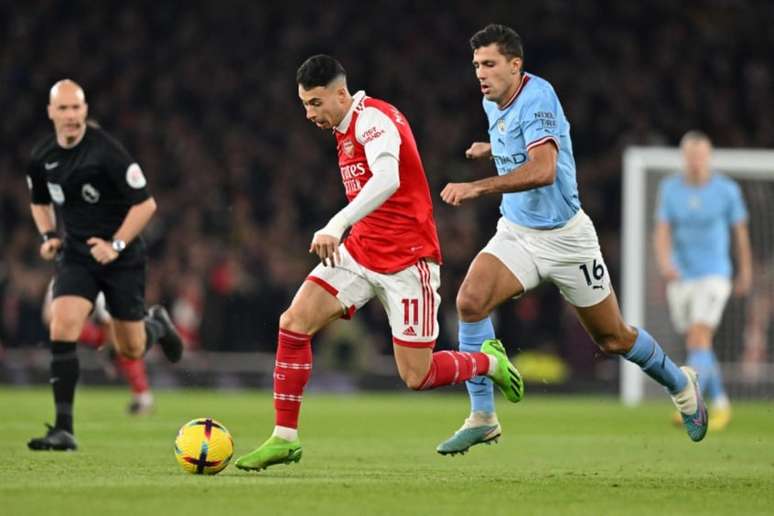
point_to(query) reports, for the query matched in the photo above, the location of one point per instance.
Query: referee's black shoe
(55, 439)
(171, 343)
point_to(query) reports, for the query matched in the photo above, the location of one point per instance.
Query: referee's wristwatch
(118, 245)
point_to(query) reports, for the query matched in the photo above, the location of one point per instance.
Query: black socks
(64, 375)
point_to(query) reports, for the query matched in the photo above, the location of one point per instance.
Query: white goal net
(743, 342)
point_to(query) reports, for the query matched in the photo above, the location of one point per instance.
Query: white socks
(283, 432)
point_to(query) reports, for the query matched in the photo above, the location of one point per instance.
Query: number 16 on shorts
(593, 273)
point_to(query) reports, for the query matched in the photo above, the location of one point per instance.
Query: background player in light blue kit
(543, 235)
(696, 213)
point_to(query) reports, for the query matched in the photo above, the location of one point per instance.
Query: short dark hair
(508, 40)
(319, 70)
(694, 135)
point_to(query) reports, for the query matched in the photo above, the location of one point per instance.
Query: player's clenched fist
(479, 150)
(326, 247)
(49, 248)
(101, 250)
(455, 193)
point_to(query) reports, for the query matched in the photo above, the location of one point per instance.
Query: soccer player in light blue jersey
(696, 214)
(543, 235)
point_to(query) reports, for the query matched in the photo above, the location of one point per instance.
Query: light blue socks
(480, 388)
(647, 354)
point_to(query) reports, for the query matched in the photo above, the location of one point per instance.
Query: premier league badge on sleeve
(134, 176)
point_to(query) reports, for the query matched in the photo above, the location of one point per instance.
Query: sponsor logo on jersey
(348, 148)
(409, 332)
(372, 134)
(350, 176)
(509, 161)
(56, 193)
(51, 166)
(134, 176)
(90, 194)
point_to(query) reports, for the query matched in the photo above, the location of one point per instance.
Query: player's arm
(42, 210)
(382, 153)
(539, 170)
(743, 280)
(662, 243)
(662, 233)
(128, 177)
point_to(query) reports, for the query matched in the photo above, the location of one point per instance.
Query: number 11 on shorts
(410, 305)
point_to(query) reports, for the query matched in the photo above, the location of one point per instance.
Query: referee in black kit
(101, 196)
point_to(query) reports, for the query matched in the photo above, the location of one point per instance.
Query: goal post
(642, 300)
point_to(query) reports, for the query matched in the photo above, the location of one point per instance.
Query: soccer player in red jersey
(391, 253)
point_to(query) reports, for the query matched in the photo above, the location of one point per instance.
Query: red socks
(451, 367)
(292, 370)
(133, 370)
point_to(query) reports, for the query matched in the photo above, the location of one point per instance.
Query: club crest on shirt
(694, 202)
(90, 194)
(348, 148)
(501, 125)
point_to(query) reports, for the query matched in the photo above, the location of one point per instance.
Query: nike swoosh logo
(51, 166)
(54, 379)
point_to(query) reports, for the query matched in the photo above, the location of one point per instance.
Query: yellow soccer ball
(203, 447)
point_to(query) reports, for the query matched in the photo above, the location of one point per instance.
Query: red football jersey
(402, 230)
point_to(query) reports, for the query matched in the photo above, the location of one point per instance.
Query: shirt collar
(357, 98)
(524, 81)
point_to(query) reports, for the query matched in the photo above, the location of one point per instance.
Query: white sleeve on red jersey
(377, 134)
(384, 181)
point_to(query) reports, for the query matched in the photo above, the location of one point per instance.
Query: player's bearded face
(322, 105)
(497, 75)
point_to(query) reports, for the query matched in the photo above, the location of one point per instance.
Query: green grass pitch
(375, 455)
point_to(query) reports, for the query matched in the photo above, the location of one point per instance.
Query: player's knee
(470, 306)
(130, 348)
(414, 379)
(66, 327)
(132, 353)
(293, 320)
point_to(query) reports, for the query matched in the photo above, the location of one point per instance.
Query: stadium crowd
(204, 98)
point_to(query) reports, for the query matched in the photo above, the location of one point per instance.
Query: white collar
(356, 99)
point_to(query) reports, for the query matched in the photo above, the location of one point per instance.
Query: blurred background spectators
(203, 95)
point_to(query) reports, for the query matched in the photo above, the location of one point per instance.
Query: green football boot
(275, 450)
(506, 376)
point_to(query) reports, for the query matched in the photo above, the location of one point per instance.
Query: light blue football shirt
(700, 218)
(532, 117)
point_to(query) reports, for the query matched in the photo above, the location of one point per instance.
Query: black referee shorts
(123, 286)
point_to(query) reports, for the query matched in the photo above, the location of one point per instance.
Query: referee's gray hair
(694, 135)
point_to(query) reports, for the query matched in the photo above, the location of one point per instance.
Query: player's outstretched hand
(102, 250)
(455, 193)
(49, 248)
(479, 150)
(327, 248)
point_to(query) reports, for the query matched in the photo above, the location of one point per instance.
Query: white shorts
(569, 257)
(698, 301)
(409, 297)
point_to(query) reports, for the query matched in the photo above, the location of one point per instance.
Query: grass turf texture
(374, 454)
